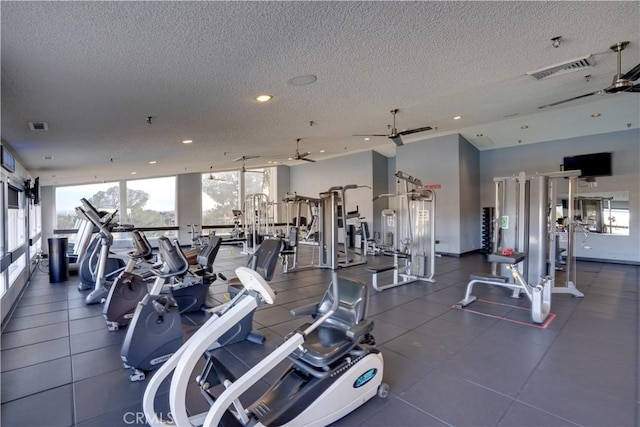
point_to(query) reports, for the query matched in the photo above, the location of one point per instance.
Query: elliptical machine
(335, 367)
(96, 265)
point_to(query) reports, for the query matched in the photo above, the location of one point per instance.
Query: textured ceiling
(95, 70)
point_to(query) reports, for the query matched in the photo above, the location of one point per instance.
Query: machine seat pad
(488, 277)
(324, 345)
(380, 269)
(514, 258)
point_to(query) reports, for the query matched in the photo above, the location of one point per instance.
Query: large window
(222, 192)
(220, 196)
(152, 203)
(16, 233)
(104, 196)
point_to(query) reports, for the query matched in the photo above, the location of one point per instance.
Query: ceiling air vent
(563, 68)
(38, 126)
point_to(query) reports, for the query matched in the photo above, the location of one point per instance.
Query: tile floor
(61, 367)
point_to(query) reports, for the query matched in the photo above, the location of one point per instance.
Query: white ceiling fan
(395, 136)
(621, 83)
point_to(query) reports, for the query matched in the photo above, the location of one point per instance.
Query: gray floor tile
(111, 390)
(499, 346)
(571, 346)
(36, 320)
(404, 318)
(449, 332)
(520, 415)
(46, 299)
(575, 402)
(385, 331)
(591, 372)
(96, 362)
(80, 326)
(421, 348)
(31, 310)
(50, 408)
(272, 316)
(457, 402)
(401, 373)
(95, 339)
(501, 375)
(34, 335)
(20, 357)
(36, 378)
(397, 411)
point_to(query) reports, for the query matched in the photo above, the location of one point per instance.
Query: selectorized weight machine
(525, 240)
(300, 231)
(334, 230)
(408, 234)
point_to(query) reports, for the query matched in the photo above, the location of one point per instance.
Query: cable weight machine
(408, 234)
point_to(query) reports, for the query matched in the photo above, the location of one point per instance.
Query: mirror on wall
(599, 212)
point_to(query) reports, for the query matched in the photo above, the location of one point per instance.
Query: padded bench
(377, 270)
(492, 279)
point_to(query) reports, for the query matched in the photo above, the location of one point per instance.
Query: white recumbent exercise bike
(335, 367)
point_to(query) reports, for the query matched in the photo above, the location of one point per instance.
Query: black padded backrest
(352, 306)
(142, 245)
(265, 258)
(207, 254)
(173, 262)
(365, 231)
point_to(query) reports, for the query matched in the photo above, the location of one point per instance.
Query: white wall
(311, 179)
(436, 161)
(547, 157)
(470, 214)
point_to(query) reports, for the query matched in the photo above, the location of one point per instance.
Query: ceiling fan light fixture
(596, 115)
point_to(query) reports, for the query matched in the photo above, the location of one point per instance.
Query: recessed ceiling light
(187, 141)
(290, 158)
(152, 162)
(367, 139)
(457, 117)
(269, 162)
(524, 127)
(48, 157)
(302, 80)
(263, 98)
(594, 115)
(134, 173)
(322, 151)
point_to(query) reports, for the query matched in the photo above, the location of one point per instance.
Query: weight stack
(487, 230)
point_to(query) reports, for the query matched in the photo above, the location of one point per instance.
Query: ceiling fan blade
(634, 89)
(568, 100)
(307, 160)
(410, 131)
(379, 134)
(304, 154)
(239, 159)
(396, 140)
(633, 74)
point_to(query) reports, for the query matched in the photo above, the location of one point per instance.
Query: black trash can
(58, 261)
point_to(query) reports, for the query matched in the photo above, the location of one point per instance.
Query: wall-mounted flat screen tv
(596, 164)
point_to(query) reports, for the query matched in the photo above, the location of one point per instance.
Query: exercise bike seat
(341, 331)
